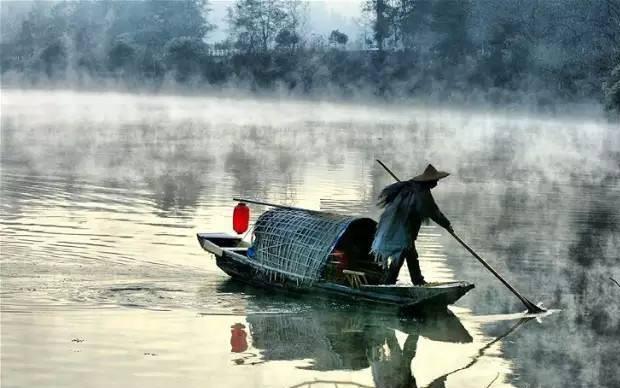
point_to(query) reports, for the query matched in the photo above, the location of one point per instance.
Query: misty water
(104, 284)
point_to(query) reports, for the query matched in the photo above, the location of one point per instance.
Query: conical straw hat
(430, 174)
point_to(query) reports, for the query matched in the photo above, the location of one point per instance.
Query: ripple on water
(92, 238)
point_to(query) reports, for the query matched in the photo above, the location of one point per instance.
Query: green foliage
(381, 25)
(154, 23)
(53, 59)
(337, 37)
(612, 90)
(287, 39)
(500, 49)
(262, 25)
(414, 20)
(508, 55)
(449, 22)
(122, 56)
(129, 38)
(398, 24)
(185, 56)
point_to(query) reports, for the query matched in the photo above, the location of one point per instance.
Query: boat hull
(434, 296)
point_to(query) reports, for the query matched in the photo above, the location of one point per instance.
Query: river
(103, 282)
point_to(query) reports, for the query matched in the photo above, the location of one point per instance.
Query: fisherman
(406, 204)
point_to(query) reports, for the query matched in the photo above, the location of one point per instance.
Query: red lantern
(241, 218)
(238, 338)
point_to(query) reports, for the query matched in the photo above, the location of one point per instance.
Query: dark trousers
(411, 255)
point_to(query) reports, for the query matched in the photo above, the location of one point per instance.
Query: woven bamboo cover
(295, 244)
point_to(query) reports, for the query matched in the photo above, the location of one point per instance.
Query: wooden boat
(321, 254)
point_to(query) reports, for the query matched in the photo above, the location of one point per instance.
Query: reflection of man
(391, 367)
(238, 338)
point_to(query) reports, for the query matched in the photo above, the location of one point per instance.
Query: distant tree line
(502, 50)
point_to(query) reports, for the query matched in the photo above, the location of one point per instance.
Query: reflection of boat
(339, 340)
(351, 341)
(436, 325)
(320, 253)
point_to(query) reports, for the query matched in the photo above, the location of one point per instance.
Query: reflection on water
(335, 341)
(379, 346)
(102, 195)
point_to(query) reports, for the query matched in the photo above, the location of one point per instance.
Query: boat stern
(218, 243)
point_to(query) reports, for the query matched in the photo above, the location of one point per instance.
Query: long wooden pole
(270, 204)
(531, 307)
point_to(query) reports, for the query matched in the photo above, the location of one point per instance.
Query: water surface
(103, 282)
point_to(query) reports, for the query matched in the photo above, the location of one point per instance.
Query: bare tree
(254, 25)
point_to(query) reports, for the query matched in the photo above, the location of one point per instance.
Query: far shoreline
(588, 109)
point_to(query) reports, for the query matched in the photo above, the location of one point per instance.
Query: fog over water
(103, 282)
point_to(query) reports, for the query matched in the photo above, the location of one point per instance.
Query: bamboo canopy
(295, 244)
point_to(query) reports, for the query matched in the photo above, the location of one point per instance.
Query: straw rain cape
(393, 232)
(406, 204)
